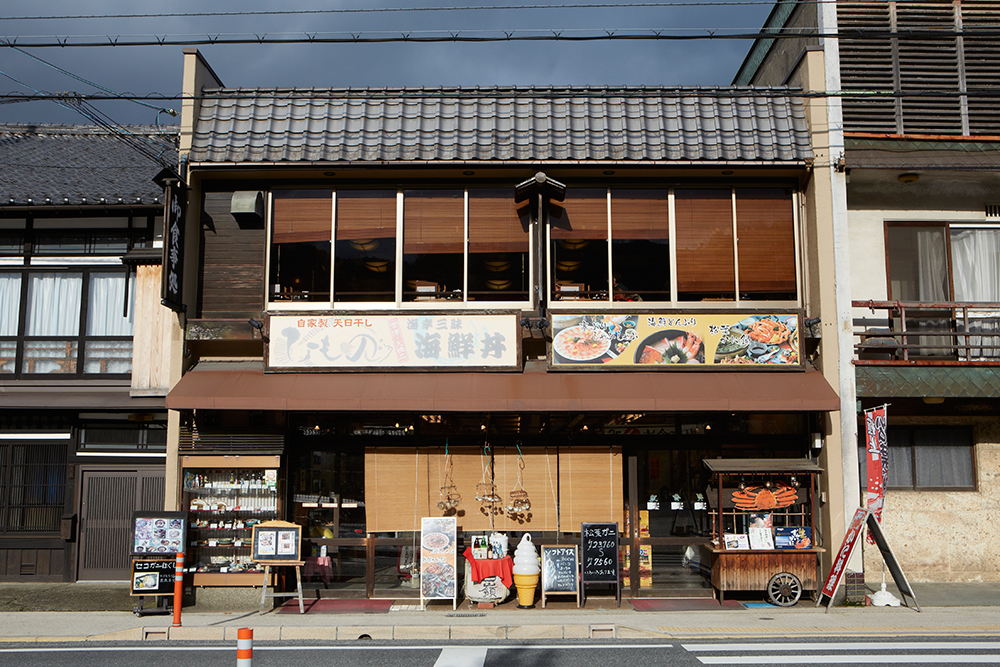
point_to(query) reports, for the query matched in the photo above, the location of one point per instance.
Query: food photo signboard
(277, 541)
(438, 556)
(654, 341)
(153, 577)
(159, 533)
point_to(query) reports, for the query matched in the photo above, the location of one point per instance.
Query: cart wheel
(784, 589)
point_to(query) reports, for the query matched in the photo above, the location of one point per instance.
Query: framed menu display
(153, 576)
(277, 541)
(438, 554)
(159, 533)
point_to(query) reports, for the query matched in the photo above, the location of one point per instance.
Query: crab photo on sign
(779, 496)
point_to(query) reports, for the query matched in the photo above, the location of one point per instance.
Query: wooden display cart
(763, 527)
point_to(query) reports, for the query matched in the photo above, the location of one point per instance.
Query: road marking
(474, 656)
(847, 646)
(841, 658)
(365, 647)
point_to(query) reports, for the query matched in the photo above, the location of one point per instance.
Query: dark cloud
(157, 69)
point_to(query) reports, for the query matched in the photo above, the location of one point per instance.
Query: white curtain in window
(106, 305)
(54, 304)
(932, 281)
(10, 300)
(975, 255)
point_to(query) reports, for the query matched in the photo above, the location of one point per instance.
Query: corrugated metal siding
(473, 125)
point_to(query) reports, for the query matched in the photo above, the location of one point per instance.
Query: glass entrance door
(667, 502)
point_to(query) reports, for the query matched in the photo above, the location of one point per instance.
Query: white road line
(364, 647)
(474, 656)
(847, 646)
(841, 658)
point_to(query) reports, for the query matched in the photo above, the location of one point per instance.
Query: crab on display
(760, 497)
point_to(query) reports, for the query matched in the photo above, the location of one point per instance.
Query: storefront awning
(244, 386)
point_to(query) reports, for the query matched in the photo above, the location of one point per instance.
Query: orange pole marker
(178, 588)
(244, 647)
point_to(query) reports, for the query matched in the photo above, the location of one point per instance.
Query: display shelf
(225, 504)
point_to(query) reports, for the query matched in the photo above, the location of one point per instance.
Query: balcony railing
(925, 333)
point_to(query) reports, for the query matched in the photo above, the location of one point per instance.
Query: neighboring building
(917, 211)
(82, 416)
(382, 288)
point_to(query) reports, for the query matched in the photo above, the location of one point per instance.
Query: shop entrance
(669, 523)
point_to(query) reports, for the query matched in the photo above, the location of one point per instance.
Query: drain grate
(465, 614)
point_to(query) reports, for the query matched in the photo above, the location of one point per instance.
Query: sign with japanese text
(649, 341)
(843, 555)
(175, 200)
(438, 559)
(353, 341)
(877, 455)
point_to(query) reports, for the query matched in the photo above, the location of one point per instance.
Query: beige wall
(947, 536)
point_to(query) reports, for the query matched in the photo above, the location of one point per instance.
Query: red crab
(762, 498)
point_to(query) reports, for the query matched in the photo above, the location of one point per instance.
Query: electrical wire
(491, 35)
(387, 10)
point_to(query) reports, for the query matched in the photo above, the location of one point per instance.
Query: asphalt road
(602, 653)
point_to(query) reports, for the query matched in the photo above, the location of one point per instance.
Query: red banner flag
(877, 455)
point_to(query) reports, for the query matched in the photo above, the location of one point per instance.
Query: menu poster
(560, 565)
(599, 556)
(664, 341)
(438, 555)
(277, 541)
(153, 577)
(158, 533)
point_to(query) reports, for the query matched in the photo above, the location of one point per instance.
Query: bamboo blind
(433, 221)
(404, 484)
(590, 486)
(704, 227)
(300, 219)
(366, 214)
(496, 223)
(640, 214)
(584, 215)
(764, 227)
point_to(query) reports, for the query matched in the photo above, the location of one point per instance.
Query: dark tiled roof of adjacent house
(502, 125)
(82, 164)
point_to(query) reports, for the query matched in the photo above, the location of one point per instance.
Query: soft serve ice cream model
(526, 572)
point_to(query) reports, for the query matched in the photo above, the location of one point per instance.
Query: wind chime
(518, 503)
(450, 497)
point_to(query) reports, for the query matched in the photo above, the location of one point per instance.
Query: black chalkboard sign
(559, 572)
(153, 577)
(599, 549)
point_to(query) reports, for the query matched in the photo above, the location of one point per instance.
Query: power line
(386, 10)
(483, 36)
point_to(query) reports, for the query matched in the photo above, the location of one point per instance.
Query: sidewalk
(94, 612)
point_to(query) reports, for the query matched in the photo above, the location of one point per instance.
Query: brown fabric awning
(246, 387)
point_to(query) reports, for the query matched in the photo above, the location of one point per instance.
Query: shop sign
(652, 341)
(351, 341)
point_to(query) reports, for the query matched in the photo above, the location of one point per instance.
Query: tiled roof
(730, 125)
(68, 164)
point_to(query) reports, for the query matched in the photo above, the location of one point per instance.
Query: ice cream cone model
(526, 584)
(526, 572)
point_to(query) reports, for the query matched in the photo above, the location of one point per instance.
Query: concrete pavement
(946, 609)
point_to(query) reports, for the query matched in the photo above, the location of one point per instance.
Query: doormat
(328, 606)
(682, 604)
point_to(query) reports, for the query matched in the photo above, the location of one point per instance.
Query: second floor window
(66, 322)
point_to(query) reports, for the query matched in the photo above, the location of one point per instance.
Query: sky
(156, 70)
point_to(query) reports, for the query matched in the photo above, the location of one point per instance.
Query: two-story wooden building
(912, 85)
(400, 298)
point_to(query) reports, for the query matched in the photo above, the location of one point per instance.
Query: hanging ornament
(450, 497)
(486, 490)
(518, 501)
